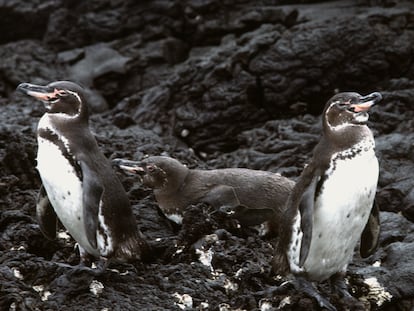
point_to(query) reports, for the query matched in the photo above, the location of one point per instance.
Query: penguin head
(158, 172)
(62, 97)
(347, 110)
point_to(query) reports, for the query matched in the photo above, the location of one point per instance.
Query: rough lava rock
(215, 84)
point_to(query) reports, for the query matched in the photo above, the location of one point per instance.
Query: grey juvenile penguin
(79, 186)
(332, 204)
(251, 196)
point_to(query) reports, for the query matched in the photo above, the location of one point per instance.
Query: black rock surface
(215, 84)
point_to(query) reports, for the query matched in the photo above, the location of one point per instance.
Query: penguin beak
(129, 166)
(43, 93)
(366, 102)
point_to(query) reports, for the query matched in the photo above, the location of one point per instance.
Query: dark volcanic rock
(215, 84)
(24, 61)
(25, 19)
(264, 74)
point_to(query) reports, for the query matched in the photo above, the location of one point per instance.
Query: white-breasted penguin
(332, 204)
(79, 186)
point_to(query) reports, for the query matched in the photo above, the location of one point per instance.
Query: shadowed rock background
(215, 84)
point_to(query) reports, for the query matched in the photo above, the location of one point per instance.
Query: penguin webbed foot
(306, 287)
(274, 290)
(339, 286)
(85, 266)
(80, 269)
(300, 285)
(101, 266)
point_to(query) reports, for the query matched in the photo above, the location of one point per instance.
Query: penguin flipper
(306, 209)
(46, 215)
(91, 199)
(370, 235)
(225, 199)
(222, 197)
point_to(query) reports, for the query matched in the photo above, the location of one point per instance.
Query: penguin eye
(151, 168)
(344, 104)
(57, 94)
(61, 93)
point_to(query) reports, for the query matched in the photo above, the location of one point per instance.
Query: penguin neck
(173, 182)
(60, 122)
(348, 136)
(70, 134)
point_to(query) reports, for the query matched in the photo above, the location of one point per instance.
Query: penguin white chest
(64, 189)
(341, 212)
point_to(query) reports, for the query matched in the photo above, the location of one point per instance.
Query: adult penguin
(332, 205)
(79, 186)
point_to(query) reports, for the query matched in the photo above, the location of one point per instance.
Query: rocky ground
(215, 84)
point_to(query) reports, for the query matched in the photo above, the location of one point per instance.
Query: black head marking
(345, 117)
(63, 97)
(163, 172)
(155, 176)
(348, 108)
(157, 172)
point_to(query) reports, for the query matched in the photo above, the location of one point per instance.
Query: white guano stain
(376, 292)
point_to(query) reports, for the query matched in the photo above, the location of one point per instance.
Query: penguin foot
(101, 266)
(301, 285)
(100, 269)
(77, 268)
(63, 265)
(339, 286)
(274, 290)
(307, 287)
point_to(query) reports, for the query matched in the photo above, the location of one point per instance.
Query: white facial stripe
(332, 104)
(360, 118)
(327, 112)
(75, 94)
(79, 100)
(337, 127)
(60, 115)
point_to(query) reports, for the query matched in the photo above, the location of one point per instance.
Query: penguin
(252, 197)
(331, 207)
(79, 187)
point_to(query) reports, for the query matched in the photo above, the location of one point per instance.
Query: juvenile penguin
(79, 186)
(332, 205)
(252, 197)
